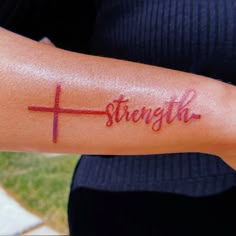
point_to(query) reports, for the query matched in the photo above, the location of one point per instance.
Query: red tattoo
(175, 110)
(118, 111)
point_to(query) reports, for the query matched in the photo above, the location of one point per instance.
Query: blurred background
(40, 182)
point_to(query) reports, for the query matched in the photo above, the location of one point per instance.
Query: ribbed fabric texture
(189, 174)
(198, 36)
(188, 35)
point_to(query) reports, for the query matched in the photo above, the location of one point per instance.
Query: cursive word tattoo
(118, 111)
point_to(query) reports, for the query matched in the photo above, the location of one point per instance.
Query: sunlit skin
(53, 100)
(118, 111)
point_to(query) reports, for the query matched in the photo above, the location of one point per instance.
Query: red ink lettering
(146, 114)
(118, 111)
(158, 123)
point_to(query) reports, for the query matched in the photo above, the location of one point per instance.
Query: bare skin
(52, 100)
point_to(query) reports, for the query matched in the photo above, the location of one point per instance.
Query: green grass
(40, 184)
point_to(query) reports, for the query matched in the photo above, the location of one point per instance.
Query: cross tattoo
(176, 109)
(56, 110)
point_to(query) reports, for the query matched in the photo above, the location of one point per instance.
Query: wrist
(225, 137)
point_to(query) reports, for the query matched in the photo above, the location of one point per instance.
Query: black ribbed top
(191, 174)
(196, 36)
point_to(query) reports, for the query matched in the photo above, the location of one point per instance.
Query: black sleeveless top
(192, 36)
(196, 36)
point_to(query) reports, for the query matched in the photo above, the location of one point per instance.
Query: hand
(47, 41)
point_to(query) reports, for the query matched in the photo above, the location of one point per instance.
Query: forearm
(57, 101)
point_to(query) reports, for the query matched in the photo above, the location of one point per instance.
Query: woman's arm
(53, 100)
